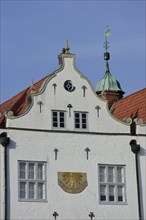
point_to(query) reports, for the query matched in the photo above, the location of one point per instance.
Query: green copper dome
(108, 82)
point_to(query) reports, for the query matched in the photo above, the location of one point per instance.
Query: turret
(108, 87)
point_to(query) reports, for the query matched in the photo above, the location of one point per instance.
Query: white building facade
(68, 157)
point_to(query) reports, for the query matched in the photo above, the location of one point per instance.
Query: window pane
(22, 170)
(55, 125)
(110, 174)
(31, 190)
(84, 126)
(61, 114)
(31, 170)
(111, 193)
(119, 174)
(102, 193)
(120, 198)
(22, 190)
(84, 122)
(77, 125)
(76, 115)
(61, 125)
(54, 119)
(54, 114)
(102, 174)
(120, 193)
(111, 190)
(40, 171)
(111, 198)
(102, 189)
(77, 120)
(120, 190)
(40, 190)
(102, 198)
(83, 115)
(62, 119)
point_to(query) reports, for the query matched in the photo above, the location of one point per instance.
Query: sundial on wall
(72, 182)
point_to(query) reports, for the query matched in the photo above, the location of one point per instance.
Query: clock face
(72, 182)
(68, 85)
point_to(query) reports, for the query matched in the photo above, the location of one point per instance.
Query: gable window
(58, 119)
(32, 181)
(112, 184)
(80, 120)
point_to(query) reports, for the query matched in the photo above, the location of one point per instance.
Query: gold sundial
(72, 182)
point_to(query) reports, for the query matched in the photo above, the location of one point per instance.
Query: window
(58, 119)
(32, 180)
(112, 184)
(80, 120)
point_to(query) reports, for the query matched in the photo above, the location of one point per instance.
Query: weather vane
(107, 34)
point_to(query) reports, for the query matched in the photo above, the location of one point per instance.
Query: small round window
(68, 85)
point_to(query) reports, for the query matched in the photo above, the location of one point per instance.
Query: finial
(32, 87)
(107, 34)
(107, 67)
(67, 48)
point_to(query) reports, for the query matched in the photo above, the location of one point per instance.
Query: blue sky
(34, 32)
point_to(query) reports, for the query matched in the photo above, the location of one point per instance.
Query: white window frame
(110, 183)
(80, 123)
(28, 180)
(58, 121)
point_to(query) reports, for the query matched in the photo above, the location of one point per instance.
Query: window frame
(58, 120)
(36, 181)
(115, 184)
(80, 121)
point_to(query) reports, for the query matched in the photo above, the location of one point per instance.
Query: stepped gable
(133, 106)
(19, 102)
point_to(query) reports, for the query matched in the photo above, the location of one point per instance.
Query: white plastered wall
(60, 100)
(34, 140)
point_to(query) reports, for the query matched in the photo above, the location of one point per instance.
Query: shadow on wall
(142, 153)
(12, 145)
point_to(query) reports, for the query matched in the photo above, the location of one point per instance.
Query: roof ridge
(129, 95)
(135, 93)
(13, 97)
(132, 106)
(22, 91)
(15, 102)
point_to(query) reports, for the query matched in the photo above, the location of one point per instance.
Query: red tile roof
(133, 106)
(18, 103)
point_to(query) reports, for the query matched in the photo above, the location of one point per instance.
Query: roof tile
(19, 102)
(133, 106)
